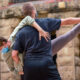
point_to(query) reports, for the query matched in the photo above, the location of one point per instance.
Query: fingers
(46, 39)
(44, 35)
(48, 36)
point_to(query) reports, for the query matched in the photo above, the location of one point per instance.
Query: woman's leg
(62, 40)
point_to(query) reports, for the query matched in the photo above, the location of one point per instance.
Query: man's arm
(15, 56)
(16, 59)
(70, 21)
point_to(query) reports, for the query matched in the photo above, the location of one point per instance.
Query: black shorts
(40, 68)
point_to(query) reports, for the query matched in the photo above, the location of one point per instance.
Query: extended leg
(62, 40)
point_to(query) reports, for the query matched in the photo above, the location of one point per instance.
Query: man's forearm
(70, 21)
(15, 56)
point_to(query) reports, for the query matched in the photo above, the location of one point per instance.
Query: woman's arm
(28, 21)
(42, 33)
(61, 41)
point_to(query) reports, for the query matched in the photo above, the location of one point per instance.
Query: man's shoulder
(45, 19)
(40, 19)
(25, 30)
(22, 30)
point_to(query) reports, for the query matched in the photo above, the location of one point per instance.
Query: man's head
(29, 10)
(3, 42)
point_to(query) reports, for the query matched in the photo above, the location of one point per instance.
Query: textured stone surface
(4, 67)
(77, 51)
(66, 52)
(67, 72)
(63, 14)
(77, 42)
(3, 3)
(7, 25)
(77, 61)
(10, 12)
(67, 62)
(5, 76)
(77, 72)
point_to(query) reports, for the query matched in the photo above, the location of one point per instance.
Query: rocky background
(69, 57)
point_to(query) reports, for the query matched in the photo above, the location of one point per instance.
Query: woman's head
(29, 10)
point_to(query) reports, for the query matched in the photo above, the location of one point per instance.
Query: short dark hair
(2, 39)
(28, 8)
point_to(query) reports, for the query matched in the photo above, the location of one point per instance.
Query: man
(38, 53)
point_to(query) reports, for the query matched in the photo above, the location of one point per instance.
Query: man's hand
(44, 34)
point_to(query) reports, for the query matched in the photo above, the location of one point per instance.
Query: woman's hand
(44, 34)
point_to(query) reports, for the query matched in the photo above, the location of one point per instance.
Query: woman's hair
(27, 9)
(2, 39)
